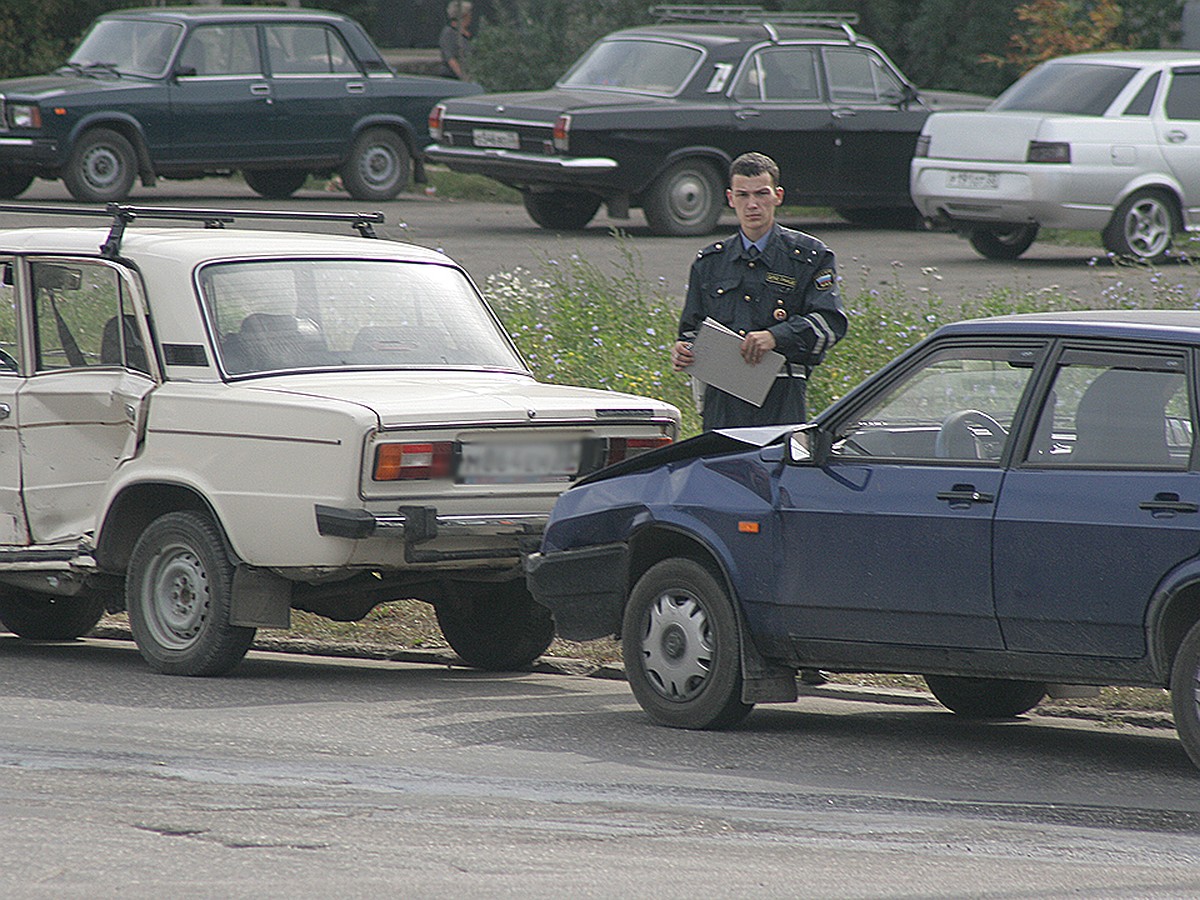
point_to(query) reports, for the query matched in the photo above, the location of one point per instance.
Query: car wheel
(1143, 227)
(881, 216)
(101, 168)
(379, 166)
(985, 698)
(13, 183)
(177, 592)
(686, 199)
(561, 210)
(1185, 692)
(1004, 242)
(38, 617)
(680, 644)
(275, 184)
(498, 627)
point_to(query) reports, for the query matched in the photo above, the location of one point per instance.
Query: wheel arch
(719, 158)
(135, 507)
(1173, 611)
(125, 125)
(1157, 183)
(407, 133)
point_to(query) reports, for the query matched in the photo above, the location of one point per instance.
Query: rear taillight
(624, 448)
(408, 462)
(922, 148)
(435, 121)
(1048, 152)
(562, 134)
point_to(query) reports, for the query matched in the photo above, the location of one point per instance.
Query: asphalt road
(491, 238)
(316, 777)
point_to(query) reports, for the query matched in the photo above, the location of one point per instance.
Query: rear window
(651, 67)
(1086, 89)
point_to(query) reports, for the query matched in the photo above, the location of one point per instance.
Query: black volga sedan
(189, 91)
(1010, 509)
(651, 117)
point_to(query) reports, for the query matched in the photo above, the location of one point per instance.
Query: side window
(214, 50)
(83, 317)
(1183, 98)
(1114, 410)
(1144, 101)
(856, 76)
(9, 347)
(307, 50)
(958, 404)
(780, 73)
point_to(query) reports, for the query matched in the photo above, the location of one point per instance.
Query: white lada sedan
(1106, 142)
(211, 427)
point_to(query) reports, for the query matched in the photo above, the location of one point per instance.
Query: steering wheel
(956, 438)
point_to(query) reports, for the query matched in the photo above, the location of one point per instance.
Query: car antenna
(122, 215)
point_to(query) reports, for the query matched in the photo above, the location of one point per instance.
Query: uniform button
(751, 264)
(742, 333)
(720, 290)
(747, 297)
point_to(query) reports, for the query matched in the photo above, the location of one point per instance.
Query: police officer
(775, 287)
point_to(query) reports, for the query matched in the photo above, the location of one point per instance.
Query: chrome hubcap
(690, 197)
(677, 649)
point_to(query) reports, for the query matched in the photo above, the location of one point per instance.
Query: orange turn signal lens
(748, 527)
(405, 462)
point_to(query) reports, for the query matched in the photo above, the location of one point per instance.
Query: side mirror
(808, 445)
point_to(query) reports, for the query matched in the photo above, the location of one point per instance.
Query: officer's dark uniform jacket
(791, 290)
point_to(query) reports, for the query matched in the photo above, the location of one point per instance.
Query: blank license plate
(975, 181)
(491, 137)
(518, 463)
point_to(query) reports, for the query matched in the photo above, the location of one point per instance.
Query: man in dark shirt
(775, 287)
(454, 38)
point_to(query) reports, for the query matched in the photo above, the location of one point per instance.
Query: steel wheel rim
(101, 167)
(677, 646)
(179, 597)
(379, 166)
(1148, 228)
(690, 197)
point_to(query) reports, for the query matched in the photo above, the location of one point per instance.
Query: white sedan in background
(1106, 142)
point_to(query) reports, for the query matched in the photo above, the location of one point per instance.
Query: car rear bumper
(584, 589)
(509, 165)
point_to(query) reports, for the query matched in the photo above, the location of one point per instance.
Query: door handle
(843, 113)
(965, 493)
(746, 114)
(1168, 502)
(355, 87)
(260, 90)
(1175, 136)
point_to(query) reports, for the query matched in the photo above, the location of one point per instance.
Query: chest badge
(782, 280)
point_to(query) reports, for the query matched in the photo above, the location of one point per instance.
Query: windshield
(1086, 89)
(273, 315)
(651, 67)
(128, 46)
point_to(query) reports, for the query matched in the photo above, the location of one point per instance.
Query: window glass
(1112, 414)
(1142, 103)
(1087, 89)
(75, 305)
(958, 404)
(9, 347)
(307, 50)
(222, 50)
(334, 314)
(128, 45)
(653, 67)
(779, 73)
(1183, 98)
(859, 77)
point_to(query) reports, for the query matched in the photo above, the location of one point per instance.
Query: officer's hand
(755, 344)
(681, 355)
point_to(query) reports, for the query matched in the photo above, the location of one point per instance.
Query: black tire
(905, 217)
(101, 167)
(1185, 692)
(275, 184)
(561, 210)
(1143, 227)
(1003, 242)
(177, 592)
(37, 617)
(985, 698)
(13, 183)
(498, 627)
(686, 199)
(379, 166)
(681, 648)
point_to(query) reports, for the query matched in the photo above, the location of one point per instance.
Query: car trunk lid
(955, 135)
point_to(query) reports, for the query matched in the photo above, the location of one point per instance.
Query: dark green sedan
(277, 94)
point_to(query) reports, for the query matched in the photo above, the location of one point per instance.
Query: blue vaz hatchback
(1011, 509)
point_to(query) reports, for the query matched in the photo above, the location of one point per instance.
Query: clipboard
(718, 361)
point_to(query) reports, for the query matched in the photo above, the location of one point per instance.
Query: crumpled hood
(433, 397)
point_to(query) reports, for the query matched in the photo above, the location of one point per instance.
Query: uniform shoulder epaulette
(803, 246)
(714, 247)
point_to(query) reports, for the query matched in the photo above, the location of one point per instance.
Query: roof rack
(122, 215)
(754, 15)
